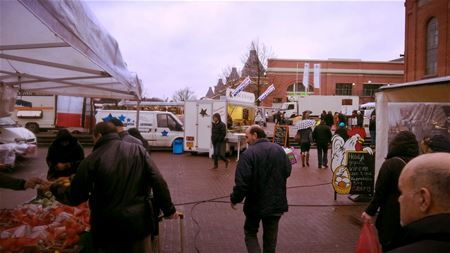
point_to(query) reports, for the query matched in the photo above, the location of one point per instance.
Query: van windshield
(7, 121)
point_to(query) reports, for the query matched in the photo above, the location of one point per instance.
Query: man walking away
(322, 137)
(261, 176)
(218, 133)
(116, 178)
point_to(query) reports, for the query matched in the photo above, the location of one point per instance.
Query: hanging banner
(266, 93)
(317, 75)
(306, 76)
(241, 86)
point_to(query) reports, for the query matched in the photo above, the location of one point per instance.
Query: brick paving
(315, 221)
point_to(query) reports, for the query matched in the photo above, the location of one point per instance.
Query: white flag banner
(317, 75)
(306, 76)
(241, 86)
(266, 93)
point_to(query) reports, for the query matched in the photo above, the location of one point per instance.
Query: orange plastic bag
(368, 240)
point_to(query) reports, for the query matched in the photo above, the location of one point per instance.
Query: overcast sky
(176, 44)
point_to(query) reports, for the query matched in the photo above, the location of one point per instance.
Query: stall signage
(241, 86)
(243, 96)
(281, 135)
(267, 92)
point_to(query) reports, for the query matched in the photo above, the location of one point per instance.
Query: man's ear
(424, 196)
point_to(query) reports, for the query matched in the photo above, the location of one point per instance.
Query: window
(432, 47)
(298, 87)
(166, 120)
(343, 89)
(370, 89)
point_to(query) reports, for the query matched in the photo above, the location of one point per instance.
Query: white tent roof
(58, 47)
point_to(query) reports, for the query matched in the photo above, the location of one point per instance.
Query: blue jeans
(270, 232)
(218, 152)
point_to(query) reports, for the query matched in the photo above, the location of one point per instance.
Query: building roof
(234, 75)
(210, 93)
(430, 81)
(251, 65)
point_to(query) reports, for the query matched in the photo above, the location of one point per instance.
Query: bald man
(424, 184)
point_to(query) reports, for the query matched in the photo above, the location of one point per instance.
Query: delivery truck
(317, 104)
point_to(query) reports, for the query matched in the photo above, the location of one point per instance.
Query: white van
(15, 140)
(159, 128)
(10, 132)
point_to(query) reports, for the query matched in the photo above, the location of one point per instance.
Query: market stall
(422, 107)
(43, 225)
(55, 47)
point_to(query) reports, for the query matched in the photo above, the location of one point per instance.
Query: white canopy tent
(58, 47)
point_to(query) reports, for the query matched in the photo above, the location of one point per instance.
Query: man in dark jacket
(425, 205)
(116, 179)
(261, 176)
(401, 150)
(322, 137)
(329, 119)
(218, 133)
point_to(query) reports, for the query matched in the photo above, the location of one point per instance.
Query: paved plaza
(315, 221)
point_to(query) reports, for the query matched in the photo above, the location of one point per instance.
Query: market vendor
(117, 178)
(64, 155)
(13, 183)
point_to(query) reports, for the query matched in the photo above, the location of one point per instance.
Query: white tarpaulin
(58, 47)
(422, 107)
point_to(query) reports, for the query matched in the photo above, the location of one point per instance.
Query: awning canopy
(58, 47)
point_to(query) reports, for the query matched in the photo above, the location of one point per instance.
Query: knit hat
(439, 143)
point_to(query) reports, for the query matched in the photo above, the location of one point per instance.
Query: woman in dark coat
(64, 155)
(402, 149)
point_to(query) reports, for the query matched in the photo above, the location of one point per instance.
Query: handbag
(368, 240)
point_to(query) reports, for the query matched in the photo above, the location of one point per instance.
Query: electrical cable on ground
(217, 200)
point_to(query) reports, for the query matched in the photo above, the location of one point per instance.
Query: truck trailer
(317, 104)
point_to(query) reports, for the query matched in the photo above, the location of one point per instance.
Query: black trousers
(270, 233)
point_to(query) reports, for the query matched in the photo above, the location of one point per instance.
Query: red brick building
(427, 39)
(337, 77)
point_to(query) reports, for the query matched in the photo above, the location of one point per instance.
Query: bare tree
(255, 65)
(183, 95)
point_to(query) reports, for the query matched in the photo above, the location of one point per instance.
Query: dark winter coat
(402, 149)
(329, 119)
(322, 134)
(261, 176)
(116, 175)
(430, 234)
(72, 153)
(372, 124)
(218, 131)
(10, 182)
(305, 135)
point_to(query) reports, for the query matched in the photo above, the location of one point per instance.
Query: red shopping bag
(368, 240)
